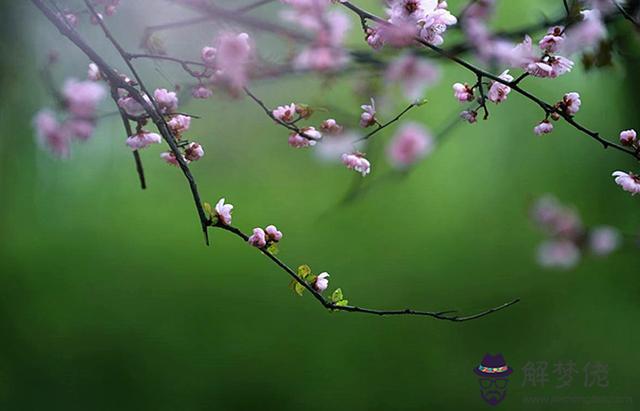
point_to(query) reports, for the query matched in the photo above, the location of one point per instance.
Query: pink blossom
(357, 162)
(93, 72)
(552, 41)
(258, 239)
(80, 128)
(51, 134)
(544, 127)
(131, 106)
(434, 24)
(167, 100)
(368, 116)
(223, 211)
(306, 138)
(629, 182)
(604, 240)
(143, 139)
(410, 144)
(330, 126)
(400, 33)
(234, 52)
(498, 92)
(559, 66)
(413, 73)
(562, 254)
(179, 124)
(273, 234)
(285, 113)
(194, 152)
(208, 55)
(170, 158)
(374, 38)
(571, 103)
(586, 33)
(321, 58)
(628, 137)
(82, 97)
(321, 282)
(201, 92)
(462, 92)
(470, 116)
(556, 219)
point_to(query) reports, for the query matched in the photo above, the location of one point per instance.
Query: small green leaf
(207, 208)
(298, 288)
(342, 303)
(421, 102)
(337, 295)
(273, 249)
(303, 271)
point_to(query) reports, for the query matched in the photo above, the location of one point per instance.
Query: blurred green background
(109, 299)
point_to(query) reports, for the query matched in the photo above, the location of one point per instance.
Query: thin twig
(548, 108)
(440, 315)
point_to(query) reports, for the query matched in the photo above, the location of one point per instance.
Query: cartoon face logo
(493, 372)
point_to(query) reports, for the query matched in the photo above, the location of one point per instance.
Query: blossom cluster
(328, 28)
(408, 20)
(228, 62)
(79, 102)
(629, 182)
(568, 237)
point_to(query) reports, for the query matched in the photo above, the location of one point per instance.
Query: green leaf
(207, 208)
(337, 295)
(273, 249)
(421, 102)
(303, 271)
(342, 303)
(298, 288)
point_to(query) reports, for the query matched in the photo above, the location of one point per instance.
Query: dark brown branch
(127, 128)
(548, 108)
(154, 112)
(440, 315)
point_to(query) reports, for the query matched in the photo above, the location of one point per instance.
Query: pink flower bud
(223, 211)
(285, 113)
(330, 126)
(201, 92)
(273, 234)
(143, 139)
(194, 152)
(628, 137)
(258, 238)
(321, 282)
(357, 162)
(462, 92)
(498, 92)
(208, 55)
(167, 100)
(170, 158)
(571, 103)
(410, 144)
(179, 124)
(368, 117)
(93, 72)
(469, 116)
(544, 127)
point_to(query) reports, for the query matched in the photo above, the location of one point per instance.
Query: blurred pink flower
(410, 144)
(357, 162)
